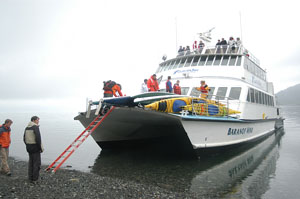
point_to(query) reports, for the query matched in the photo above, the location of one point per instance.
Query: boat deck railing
(223, 105)
(220, 50)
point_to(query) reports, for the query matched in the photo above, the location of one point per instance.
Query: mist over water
(269, 169)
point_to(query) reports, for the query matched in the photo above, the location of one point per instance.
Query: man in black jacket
(32, 139)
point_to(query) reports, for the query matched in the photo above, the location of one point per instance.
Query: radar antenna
(205, 36)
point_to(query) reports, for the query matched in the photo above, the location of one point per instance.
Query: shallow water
(269, 169)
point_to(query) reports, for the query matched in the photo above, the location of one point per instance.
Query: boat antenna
(206, 36)
(241, 26)
(176, 33)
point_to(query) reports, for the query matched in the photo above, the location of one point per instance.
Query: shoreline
(67, 183)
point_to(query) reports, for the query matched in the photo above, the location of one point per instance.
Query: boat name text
(240, 131)
(186, 71)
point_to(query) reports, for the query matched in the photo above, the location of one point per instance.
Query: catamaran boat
(236, 81)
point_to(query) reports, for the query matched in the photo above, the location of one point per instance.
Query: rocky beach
(66, 183)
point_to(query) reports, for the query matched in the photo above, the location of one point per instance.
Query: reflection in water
(241, 173)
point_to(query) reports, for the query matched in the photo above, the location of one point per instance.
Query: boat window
(221, 93)
(202, 60)
(195, 61)
(239, 61)
(266, 99)
(172, 64)
(260, 97)
(210, 60)
(272, 101)
(184, 90)
(225, 60)
(217, 60)
(211, 92)
(195, 92)
(248, 96)
(165, 66)
(232, 60)
(235, 93)
(256, 96)
(176, 63)
(252, 95)
(188, 62)
(182, 62)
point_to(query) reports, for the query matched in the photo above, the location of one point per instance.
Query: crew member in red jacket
(177, 88)
(204, 89)
(4, 146)
(152, 83)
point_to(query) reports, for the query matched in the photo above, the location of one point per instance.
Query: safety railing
(220, 106)
(221, 50)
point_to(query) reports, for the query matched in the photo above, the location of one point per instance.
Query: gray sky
(64, 49)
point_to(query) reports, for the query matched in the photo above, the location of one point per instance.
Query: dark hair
(33, 118)
(145, 80)
(8, 121)
(169, 77)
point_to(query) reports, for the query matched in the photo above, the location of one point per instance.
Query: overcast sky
(65, 49)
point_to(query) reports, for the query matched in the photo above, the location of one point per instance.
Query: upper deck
(215, 56)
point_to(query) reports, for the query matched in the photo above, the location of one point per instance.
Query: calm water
(269, 169)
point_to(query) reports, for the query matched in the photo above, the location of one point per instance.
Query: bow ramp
(77, 142)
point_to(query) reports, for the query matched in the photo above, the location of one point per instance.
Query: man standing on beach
(32, 139)
(4, 146)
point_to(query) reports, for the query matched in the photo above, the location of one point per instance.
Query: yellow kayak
(200, 106)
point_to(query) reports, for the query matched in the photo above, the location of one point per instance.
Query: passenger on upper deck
(224, 45)
(231, 44)
(203, 89)
(180, 51)
(188, 50)
(238, 43)
(169, 85)
(218, 46)
(152, 83)
(195, 46)
(201, 46)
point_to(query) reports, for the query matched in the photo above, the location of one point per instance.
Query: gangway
(77, 142)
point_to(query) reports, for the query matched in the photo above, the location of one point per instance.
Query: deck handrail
(220, 50)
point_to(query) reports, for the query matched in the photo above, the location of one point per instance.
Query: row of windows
(253, 96)
(204, 60)
(254, 69)
(258, 97)
(234, 93)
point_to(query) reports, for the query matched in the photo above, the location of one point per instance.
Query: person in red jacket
(4, 146)
(117, 88)
(177, 88)
(111, 88)
(152, 83)
(204, 89)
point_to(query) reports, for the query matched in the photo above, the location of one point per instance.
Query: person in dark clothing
(34, 147)
(224, 45)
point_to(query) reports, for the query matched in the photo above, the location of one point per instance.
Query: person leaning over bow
(203, 89)
(152, 83)
(34, 147)
(4, 146)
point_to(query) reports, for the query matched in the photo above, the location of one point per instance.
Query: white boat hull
(134, 125)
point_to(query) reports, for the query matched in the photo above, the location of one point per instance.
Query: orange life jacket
(4, 136)
(177, 89)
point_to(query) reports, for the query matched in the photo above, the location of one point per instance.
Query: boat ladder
(77, 142)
